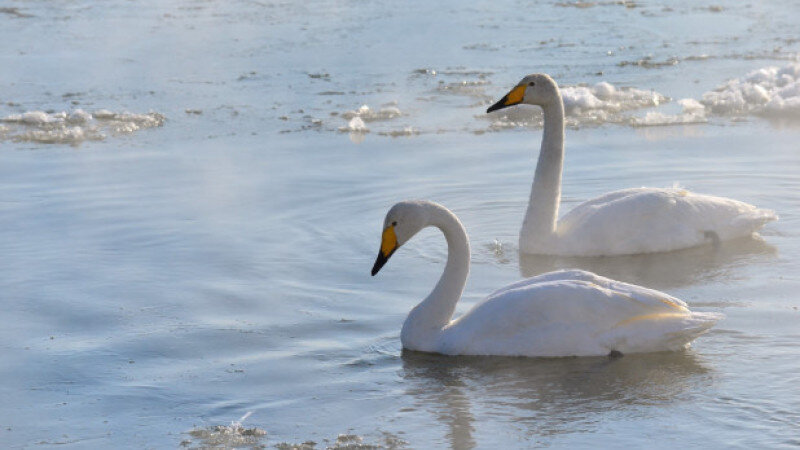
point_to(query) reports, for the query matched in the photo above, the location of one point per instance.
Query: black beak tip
(379, 262)
(499, 105)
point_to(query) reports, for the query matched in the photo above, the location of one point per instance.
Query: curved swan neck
(542, 214)
(429, 317)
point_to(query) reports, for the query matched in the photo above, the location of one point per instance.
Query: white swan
(563, 313)
(630, 221)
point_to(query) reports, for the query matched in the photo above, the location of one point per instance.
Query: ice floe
(75, 126)
(605, 96)
(770, 91)
(693, 112)
(367, 114)
(358, 118)
(355, 125)
(586, 105)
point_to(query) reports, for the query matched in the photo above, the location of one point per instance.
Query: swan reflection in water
(544, 396)
(662, 270)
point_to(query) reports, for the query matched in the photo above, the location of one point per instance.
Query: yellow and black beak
(388, 246)
(512, 98)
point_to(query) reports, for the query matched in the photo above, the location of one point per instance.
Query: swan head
(535, 89)
(402, 222)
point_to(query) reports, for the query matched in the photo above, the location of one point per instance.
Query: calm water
(161, 281)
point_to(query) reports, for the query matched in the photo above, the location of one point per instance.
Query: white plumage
(645, 220)
(574, 313)
(629, 221)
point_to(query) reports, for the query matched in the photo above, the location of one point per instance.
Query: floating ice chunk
(692, 112)
(37, 117)
(140, 121)
(604, 90)
(783, 107)
(356, 125)
(103, 114)
(74, 127)
(769, 91)
(764, 75)
(369, 115)
(32, 118)
(407, 131)
(61, 135)
(475, 88)
(655, 118)
(231, 436)
(691, 105)
(605, 96)
(580, 97)
(79, 116)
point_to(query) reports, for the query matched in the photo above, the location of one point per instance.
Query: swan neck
(542, 214)
(428, 318)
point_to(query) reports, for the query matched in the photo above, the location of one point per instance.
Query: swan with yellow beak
(563, 313)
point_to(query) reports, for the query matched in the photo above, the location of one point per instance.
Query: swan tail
(694, 326)
(660, 332)
(754, 219)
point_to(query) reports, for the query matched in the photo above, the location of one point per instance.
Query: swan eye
(394, 224)
(531, 84)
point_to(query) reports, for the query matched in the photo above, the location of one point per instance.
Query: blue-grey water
(193, 249)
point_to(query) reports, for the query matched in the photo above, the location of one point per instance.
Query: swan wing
(644, 220)
(574, 313)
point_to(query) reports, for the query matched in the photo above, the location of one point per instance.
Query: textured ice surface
(75, 126)
(693, 112)
(770, 91)
(605, 96)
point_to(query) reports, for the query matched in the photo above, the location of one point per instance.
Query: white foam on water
(75, 126)
(770, 91)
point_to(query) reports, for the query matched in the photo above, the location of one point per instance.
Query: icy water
(191, 197)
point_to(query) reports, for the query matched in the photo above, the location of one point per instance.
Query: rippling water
(163, 278)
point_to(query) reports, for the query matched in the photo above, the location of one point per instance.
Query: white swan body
(563, 313)
(624, 222)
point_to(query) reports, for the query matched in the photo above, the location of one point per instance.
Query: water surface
(172, 278)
